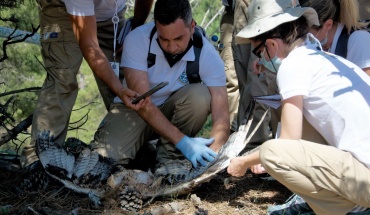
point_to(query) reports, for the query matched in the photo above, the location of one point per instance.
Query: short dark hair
(289, 32)
(168, 11)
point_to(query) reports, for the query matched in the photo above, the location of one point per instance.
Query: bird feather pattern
(92, 174)
(86, 174)
(52, 154)
(85, 162)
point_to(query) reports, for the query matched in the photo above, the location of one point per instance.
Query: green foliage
(89, 109)
(24, 69)
(10, 3)
(204, 13)
(206, 130)
(25, 13)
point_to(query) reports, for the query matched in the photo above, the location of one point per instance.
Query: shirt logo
(183, 79)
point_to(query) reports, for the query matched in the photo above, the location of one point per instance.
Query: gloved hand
(196, 150)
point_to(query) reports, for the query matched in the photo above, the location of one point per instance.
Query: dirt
(222, 195)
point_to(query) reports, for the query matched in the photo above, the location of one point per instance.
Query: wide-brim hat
(265, 15)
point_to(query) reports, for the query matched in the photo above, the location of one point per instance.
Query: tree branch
(13, 133)
(10, 40)
(30, 89)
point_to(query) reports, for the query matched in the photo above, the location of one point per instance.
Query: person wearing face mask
(178, 111)
(339, 17)
(331, 173)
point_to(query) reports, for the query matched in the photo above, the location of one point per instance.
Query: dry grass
(222, 195)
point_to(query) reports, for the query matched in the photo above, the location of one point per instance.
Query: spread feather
(85, 173)
(89, 173)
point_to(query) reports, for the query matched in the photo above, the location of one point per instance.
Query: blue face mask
(325, 40)
(272, 65)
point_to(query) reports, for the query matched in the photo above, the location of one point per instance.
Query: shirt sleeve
(211, 66)
(358, 48)
(135, 51)
(80, 7)
(293, 79)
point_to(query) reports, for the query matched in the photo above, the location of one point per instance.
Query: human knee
(199, 97)
(268, 152)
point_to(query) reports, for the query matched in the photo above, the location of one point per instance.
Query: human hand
(258, 169)
(196, 150)
(237, 167)
(127, 95)
(257, 67)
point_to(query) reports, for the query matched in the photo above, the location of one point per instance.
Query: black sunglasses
(255, 50)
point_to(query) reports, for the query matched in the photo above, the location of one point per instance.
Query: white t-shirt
(135, 54)
(336, 97)
(357, 48)
(102, 9)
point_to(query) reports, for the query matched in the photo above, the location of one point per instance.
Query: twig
(30, 89)
(5, 114)
(13, 133)
(204, 18)
(10, 40)
(85, 118)
(219, 13)
(90, 103)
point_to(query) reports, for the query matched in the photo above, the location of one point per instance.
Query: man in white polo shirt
(72, 30)
(178, 111)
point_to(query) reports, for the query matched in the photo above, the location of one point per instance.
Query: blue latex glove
(196, 149)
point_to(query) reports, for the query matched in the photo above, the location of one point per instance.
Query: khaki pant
(330, 180)
(226, 53)
(62, 58)
(122, 132)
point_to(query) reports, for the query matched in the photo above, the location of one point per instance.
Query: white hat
(265, 15)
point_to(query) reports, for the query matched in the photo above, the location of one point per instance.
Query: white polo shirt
(357, 47)
(135, 54)
(336, 97)
(102, 9)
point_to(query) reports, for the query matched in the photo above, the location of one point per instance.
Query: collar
(156, 49)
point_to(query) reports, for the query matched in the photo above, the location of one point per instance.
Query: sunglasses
(256, 51)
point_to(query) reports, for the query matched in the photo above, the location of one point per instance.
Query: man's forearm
(100, 65)
(220, 117)
(155, 118)
(220, 131)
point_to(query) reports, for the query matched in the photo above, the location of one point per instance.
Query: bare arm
(291, 128)
(141, 11)
(84, 28)
(138, 81)
(239, 165)
(292, 118)
(220, 117)
(367, 70)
